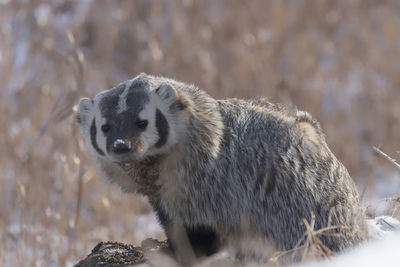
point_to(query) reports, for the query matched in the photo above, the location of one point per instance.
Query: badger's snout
(120, 147)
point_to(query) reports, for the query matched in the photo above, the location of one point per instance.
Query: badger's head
(132, 121)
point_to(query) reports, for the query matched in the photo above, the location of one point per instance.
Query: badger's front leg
(202, 240)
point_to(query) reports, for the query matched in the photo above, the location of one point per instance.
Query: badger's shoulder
(277, 124)
(251, 107)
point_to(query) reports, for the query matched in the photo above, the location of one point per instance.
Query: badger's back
(273, 169)
(294, 175)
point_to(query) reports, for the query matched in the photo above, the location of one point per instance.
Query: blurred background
(338, 60)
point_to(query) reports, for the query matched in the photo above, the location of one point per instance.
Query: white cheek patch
(163, 107)
(150, 135)
(89, 134)
(100, 138)
(85, 129)
(122, 106)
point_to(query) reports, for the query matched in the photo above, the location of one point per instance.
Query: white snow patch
(119, 141)
(382, 225)
(384, 251)
(148, 226)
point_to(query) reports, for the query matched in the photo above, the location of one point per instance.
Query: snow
(382, 250)
(148, 226)
(382, 226)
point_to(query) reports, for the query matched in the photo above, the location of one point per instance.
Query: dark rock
(118, 254)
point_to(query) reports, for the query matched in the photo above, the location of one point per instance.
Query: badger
(117, 122)
(223, 169)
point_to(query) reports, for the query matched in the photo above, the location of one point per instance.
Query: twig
(380, 152)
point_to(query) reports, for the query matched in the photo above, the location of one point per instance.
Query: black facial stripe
(93, 132)
(137, 96)
(110, 100)
(122, 122)
(162, 128)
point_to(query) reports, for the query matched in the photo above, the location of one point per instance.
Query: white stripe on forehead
(122, 98)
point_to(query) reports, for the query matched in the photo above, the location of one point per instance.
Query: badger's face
(131, 121)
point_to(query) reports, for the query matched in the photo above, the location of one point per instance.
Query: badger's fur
(235, 167)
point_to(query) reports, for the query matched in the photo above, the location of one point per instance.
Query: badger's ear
(167, 92)
(84, 109)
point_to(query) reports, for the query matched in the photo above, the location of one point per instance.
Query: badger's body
(235, 167)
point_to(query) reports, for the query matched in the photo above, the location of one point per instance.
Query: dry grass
(389, 205)
(393, 161)
(309, 247)
(335, 59)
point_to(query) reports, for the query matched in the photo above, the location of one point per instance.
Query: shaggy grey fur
(247, 167)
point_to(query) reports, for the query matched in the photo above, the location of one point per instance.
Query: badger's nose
(120, 147)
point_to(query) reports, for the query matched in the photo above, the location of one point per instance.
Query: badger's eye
(105, 128)
(142, 124)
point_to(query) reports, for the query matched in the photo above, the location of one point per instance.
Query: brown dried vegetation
(339, 60)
